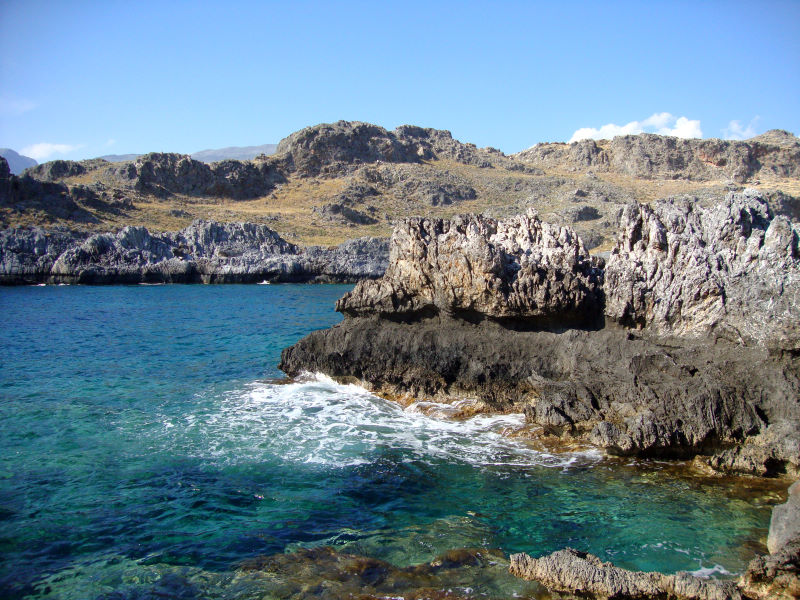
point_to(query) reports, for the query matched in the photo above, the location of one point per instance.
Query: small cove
(146, 434)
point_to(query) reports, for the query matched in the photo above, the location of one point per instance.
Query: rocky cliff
(338, 181)
(206, 252)
(647, 155)
(516, 269)
(684, 344)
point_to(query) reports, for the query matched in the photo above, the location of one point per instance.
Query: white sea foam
(318, 421)
(706, 572)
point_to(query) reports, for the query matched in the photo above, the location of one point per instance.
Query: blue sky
(82, 79)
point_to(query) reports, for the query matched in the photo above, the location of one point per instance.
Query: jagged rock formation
(55, 199)
(519, 268)
(328, 148)
(775, 153)
(205, 252)
(573, 572)
(390, 175)
(681, 270)
(160, 174)
(511, 312)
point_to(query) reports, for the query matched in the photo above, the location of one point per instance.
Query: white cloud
(662, 123)
(14, 107)
(111, 142)
(44, 150)
(736, 131)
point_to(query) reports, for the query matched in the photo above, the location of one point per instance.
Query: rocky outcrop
(325, 148)
(55, 200)
(776, 576)
(28, 255)
(572, 572)
(414, 185)
(164, 174)
(344, 214)
(331, 148)
(684, 345)
(776, 153)
(732, 270)
(206, 252)
(519, 268)
(733, 405)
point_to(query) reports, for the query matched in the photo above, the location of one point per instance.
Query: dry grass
(289, 209)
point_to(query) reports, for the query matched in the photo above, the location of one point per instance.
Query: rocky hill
(773, 154)
(333, 182)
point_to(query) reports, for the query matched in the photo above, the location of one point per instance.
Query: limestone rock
(732, 269)
(28, 255)
(519, 268)
(324, 148)
(576, 572)
(511, 312)
(784, 526)
(332, 148)
(776, 153)
(629, 395)
(206, 251)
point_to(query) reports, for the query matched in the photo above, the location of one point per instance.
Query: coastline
(205, 252)
(683, 345)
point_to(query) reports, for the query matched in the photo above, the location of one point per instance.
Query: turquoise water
(148, 441)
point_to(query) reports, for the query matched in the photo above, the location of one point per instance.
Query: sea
(151, 448)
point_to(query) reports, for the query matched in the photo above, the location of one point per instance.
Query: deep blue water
(144, 433)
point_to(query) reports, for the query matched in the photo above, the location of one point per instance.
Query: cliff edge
(684, 344)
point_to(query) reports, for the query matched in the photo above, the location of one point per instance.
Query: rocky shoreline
(204, 252)
(685, 343)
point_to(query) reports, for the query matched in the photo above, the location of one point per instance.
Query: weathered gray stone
(518, 268)
(732, 270)
(581, 573)
(776, 153)
(784, 526)
(205, 252)
(511, 312)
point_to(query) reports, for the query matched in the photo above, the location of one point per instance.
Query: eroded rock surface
(206, 251)
(685, 345)
(518, 268)
(653, 156)
(581, 573)
(732, 269)
(777, 575)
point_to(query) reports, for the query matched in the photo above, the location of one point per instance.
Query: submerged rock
(327, 573)
(777, 575)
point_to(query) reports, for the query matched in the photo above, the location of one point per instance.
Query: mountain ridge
(335, 181)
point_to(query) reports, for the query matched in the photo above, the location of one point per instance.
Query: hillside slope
(333, 182)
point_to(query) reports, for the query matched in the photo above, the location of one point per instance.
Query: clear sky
(81, 79)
